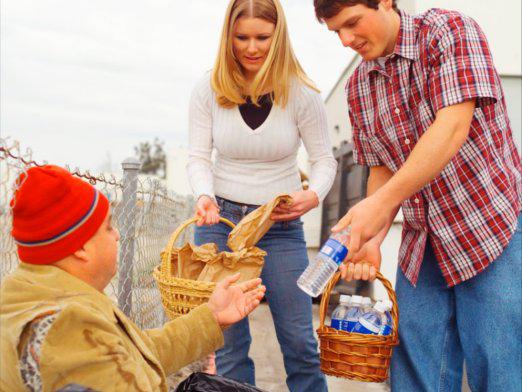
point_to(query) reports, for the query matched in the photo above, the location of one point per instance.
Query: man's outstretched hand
(230, 303)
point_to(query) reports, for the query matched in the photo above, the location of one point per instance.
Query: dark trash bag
(203, 382)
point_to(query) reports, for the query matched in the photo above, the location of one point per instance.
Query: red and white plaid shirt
(470, 210)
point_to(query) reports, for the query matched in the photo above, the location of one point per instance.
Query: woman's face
(251, 42)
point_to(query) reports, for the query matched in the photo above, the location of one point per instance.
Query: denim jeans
(478, 321)
(291, 308)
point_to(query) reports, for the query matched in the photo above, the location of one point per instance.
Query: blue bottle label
(385, 330)
(334, 250)
(366, 327)
(348, 325)
(336, 324)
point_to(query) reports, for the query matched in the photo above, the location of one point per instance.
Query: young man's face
(370, 32)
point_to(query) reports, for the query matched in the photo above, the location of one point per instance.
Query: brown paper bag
(255, 225)
(206, 264)
(192, 260)
(248, 262)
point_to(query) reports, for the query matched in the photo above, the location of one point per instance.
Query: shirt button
(406, 141)
(417, 201)
(397, 110)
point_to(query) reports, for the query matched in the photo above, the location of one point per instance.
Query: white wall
(512, 86)
(337, 108)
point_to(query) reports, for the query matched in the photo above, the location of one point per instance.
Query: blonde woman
(254, 109)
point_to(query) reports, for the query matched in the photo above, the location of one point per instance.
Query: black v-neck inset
(254, 116)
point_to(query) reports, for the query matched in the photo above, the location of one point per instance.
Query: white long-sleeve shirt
(253, 166)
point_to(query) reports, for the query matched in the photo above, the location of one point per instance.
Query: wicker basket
(179, 296)
(353, 355)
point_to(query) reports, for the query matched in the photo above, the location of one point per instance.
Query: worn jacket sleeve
(187, 338)
(85, 348)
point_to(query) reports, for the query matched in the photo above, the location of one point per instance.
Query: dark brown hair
(325, 9)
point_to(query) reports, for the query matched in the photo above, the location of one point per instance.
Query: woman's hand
(207, 210)
(302, 202)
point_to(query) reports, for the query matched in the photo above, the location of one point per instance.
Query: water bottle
(388, 327)
(354, 312)
(372, 322)
(340, 311)
(321, 269)
(366, 304)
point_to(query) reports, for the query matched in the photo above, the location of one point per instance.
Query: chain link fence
(144, 212)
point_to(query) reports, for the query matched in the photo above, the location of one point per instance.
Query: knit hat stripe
(65, 233)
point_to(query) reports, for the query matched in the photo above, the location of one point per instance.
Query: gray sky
(86, 80)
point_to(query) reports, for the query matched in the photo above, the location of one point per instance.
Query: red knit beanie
(54, 214)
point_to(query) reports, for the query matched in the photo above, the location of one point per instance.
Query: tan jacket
(91, 342)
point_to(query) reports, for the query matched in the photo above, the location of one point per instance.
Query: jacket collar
(62, 284)
(58, 283)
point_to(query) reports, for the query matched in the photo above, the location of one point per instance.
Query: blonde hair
(278, 70)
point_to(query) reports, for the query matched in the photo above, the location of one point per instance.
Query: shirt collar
(406, 45)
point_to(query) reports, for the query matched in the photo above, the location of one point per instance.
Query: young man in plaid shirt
(429, 118)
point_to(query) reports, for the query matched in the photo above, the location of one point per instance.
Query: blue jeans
(291, 308)
(479, 321)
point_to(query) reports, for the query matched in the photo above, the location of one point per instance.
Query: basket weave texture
(179, 296)
(353, 355)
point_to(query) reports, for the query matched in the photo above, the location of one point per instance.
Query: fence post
(127, 226)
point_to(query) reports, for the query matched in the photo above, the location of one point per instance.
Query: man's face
(369, 32)
(103, 251)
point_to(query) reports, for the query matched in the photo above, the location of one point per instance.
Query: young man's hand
(231, 303)
(302, 202)
(364, 264)
(367, 219)
(207, 210)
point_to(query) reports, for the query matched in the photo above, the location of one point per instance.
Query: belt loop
(244, 209)
(220, 203)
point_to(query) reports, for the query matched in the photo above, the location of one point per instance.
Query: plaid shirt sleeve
(461, 66)
(363, 153)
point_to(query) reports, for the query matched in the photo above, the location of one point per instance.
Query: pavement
(270, 372)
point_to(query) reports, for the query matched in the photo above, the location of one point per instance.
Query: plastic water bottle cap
(344, 299)
(380, 307)
(388, 304)
(357, 299)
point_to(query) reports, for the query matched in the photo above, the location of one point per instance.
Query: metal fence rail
(144, 212)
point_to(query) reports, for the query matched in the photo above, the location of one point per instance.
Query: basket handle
(389, 289)
(165, 263)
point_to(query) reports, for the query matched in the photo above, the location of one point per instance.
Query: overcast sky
(87, 80)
